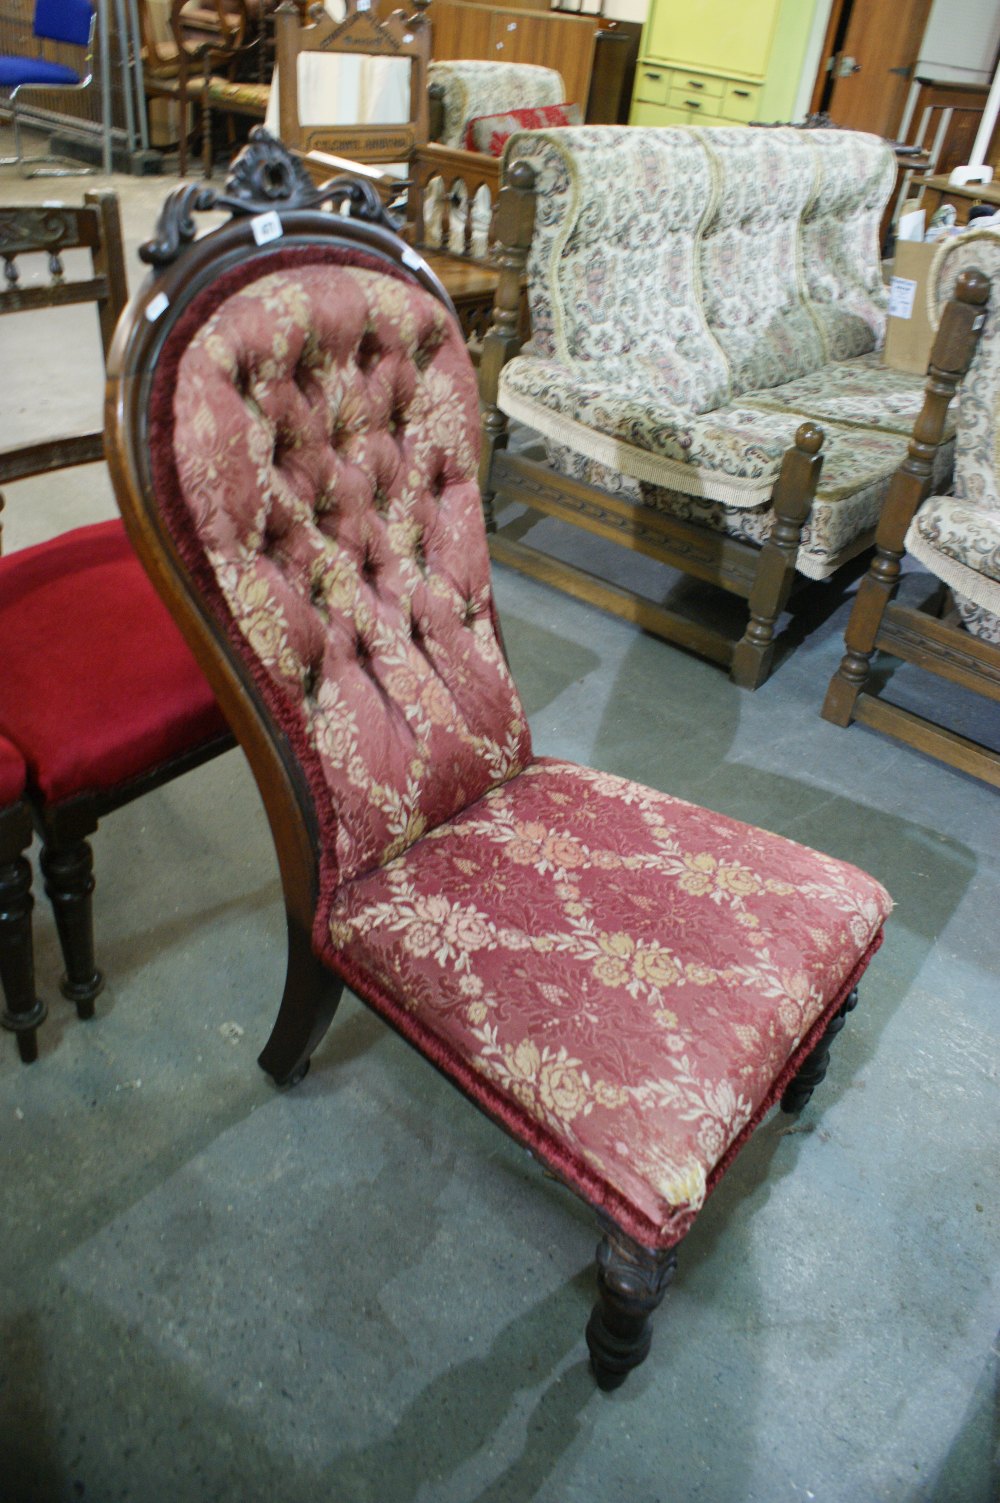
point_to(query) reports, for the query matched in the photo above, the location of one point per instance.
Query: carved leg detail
(792, 502)
(310, 999)
(631, 1282)
(22, 1010)
(69, 883)
(814, 1066)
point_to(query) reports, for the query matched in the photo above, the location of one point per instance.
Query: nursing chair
(955, 632)
(99, 696)
(68, 25)
(621, 981)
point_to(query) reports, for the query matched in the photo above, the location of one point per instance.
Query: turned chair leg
(772, 585)
(69, 884)
(631, 1283)
(814, 1067)
(310, 999)
(23, 1011)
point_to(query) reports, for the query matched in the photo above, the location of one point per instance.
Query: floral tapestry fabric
(862, 393)
(474, 87)
(977, 448)
(626, 974)
(960, 542)
(325, 431)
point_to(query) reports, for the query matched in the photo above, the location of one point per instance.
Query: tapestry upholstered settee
(707, 312)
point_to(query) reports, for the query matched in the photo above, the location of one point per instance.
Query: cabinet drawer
(682, 98)
(699, 85)
(652, 84)
(662, 114)
(740, 102)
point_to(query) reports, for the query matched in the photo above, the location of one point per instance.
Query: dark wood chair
(98, 693)
(621, 981)
(22, 1009)
(327, 149)
(955, 632)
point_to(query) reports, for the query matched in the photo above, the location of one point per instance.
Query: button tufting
(309, 680)
(438, 484)
(369, 351)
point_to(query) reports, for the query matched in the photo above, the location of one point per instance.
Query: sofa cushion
(489, 134)
(678, 960)
(959, 541)
(839, 242)
(861, 392)
(120, 697)
(732, 455)
(613, 269)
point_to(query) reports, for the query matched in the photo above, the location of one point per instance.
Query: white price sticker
(902, 291)
(266, 227)
(412, 259)
(157, 305)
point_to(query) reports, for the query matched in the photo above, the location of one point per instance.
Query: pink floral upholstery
(490, 133)
(624, 981)
(626, 974)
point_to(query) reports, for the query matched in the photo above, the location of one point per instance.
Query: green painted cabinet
(720, 62)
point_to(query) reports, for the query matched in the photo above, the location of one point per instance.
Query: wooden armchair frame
(931, 637)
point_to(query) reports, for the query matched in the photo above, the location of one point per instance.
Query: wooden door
(867, 67)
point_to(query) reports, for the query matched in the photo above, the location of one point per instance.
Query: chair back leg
(69, 885)
(23, 1011)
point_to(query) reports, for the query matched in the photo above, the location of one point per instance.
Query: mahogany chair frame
(23, 1010)
(931, 636)
(632, 1279)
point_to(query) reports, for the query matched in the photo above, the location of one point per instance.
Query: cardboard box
(909, 333)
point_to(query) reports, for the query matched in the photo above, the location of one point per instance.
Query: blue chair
(72, 22)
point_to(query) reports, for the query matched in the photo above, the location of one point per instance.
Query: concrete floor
(359, 1289)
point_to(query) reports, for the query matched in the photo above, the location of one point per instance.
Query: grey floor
(359, 1290)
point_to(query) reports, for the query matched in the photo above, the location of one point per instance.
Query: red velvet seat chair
(622, 981)
(98, 692)
(22, 1010)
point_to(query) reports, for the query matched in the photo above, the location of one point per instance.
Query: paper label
(411, 259)
(902, 291)
(157, 305)
(266, 227)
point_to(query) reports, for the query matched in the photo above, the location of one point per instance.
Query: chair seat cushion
(15, 71)
(623, 980)
(959, 541)
(96, 683)
(861, 392)
(12, 773)
(489, 134)
(616, 413)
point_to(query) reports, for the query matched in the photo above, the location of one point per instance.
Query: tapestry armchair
(955, 632)
(620, 980)
(707, 311)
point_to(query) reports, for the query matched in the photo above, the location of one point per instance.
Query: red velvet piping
(550, 1150)
(163, 467)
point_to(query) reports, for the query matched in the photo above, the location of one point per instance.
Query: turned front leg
(631, 1283)
(792, 502)
(813, 1069)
